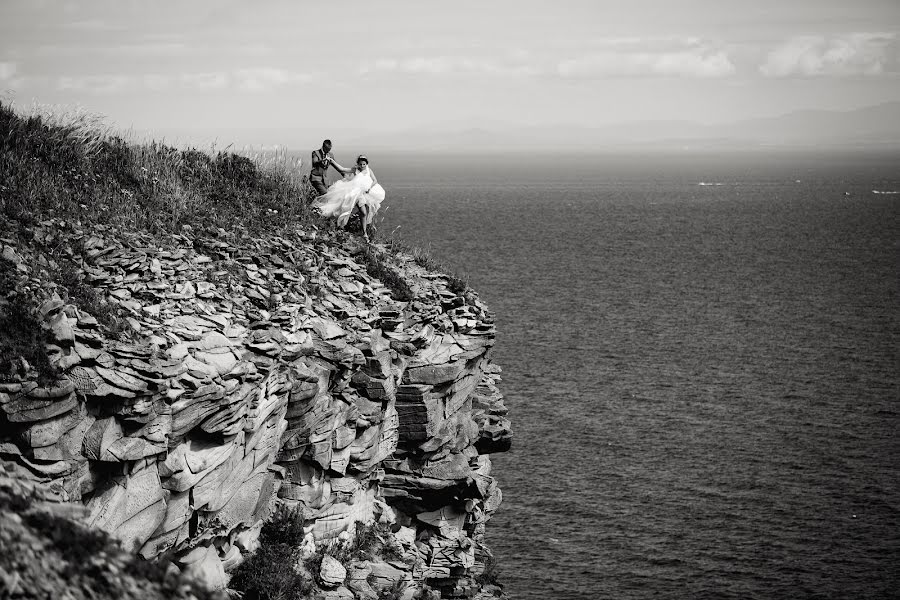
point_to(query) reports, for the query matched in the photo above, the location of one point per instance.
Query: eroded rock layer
(254, 372)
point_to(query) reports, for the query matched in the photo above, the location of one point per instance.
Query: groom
(321, 160)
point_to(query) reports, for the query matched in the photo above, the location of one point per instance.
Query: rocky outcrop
(254, 372)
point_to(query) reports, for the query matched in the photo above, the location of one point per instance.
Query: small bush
(395, 592)
(23, 336)
(87, 299)
(313, 563)
(457, 285)
(424, 259)
(270, 573)
(369, 541)
(491, 572)
(285, 526)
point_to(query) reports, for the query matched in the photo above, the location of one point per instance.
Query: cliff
(182, 386)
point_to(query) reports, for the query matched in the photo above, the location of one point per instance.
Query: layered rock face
(255, 372)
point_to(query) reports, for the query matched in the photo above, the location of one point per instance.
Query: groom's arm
(341, 170)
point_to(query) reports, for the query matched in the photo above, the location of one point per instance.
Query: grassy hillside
(77, 169)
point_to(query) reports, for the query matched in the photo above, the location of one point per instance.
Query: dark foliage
(22, 334)
(457, 285)
(491, 572)
(377, 266)
(237, 170)
(270, 573)
(395, 592)
(74, 561)
(86, 298)
(369, 542)
(284, 527)
(72, 541)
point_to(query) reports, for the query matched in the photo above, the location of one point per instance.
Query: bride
(358, 189)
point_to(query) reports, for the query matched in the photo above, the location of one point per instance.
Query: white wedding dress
(356, 189)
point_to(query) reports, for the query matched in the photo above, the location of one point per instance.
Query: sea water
(700, 358)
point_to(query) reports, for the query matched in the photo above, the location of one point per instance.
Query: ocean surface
(701, 361)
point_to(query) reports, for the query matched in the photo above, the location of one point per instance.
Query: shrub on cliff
(87, 299)
(270, 573)
(425, 259)
(378, 266)
(369, 541)
(22, 337)
(490, 573)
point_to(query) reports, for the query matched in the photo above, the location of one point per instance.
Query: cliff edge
(185, 381)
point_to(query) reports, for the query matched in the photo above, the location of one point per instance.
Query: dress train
(346, 194)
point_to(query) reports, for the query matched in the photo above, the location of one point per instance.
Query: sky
(283, 72)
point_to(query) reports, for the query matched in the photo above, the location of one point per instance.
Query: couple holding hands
(358, 191)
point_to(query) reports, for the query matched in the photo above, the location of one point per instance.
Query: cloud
(135, 50)
(613, 57)
(7, 70)
(98, 84)
(263, 79)
(250, 80)
(148, 49)
(650, 57)
(156, 82)
(251, 49)
(151, 46)
(90, 25)
(205, 81)
(841, 55)
(445, 65)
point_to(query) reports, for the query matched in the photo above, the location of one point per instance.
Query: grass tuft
(491, 572)
(376, 263)
(423, 257)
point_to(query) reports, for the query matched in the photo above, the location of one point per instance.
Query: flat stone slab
(436, 374)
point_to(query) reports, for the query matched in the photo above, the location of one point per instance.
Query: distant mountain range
(875, 127)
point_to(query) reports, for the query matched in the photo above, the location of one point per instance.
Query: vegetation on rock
(377, 265)
(23, 338)
(80, 171)
(50, 555)
(271, 572)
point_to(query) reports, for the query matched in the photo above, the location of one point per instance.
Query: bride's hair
(362, 157)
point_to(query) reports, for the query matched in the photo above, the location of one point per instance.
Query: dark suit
(319, 167)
